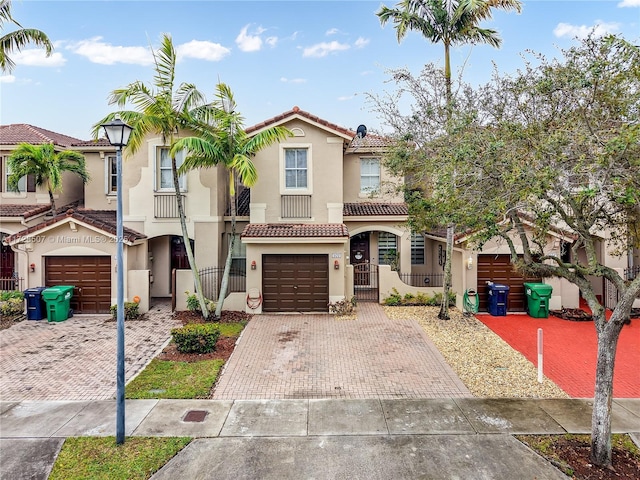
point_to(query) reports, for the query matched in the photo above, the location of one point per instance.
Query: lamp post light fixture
(118, 134)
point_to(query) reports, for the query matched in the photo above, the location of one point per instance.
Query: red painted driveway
(570, 351)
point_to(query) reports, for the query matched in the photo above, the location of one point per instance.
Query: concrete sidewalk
(315, 438)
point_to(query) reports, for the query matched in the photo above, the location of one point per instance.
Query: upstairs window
(369, 175)
(296, 169)
(164, 173)
(417, 249)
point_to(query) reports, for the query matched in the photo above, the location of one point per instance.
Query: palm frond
(165, 59)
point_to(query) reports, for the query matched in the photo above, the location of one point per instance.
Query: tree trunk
(608, 334)
(187, 241)
(444, 307)
(224, 286)
(53, 203)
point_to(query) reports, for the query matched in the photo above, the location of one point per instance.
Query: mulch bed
(224, 345)
(579, 315)
(7, 321)
(572, 452)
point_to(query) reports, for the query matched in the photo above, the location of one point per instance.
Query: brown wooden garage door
(498, 269)
(91, 277)
(295, 283)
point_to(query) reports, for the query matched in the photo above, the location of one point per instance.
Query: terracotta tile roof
(302, 113)
(283, 230)
(370, 141)
(104, 220)
(25, 211)
(23, 133)
(366, 209)
(101, 142)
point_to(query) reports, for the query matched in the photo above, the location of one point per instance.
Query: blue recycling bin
(497, 299)
(36, 308)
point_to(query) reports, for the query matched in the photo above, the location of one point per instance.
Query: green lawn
(100, 458)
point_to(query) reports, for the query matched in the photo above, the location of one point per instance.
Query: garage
(498, 269)
(91, 277)
(295, 283)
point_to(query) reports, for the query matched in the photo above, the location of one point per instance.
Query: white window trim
(154, 152)
(107, 174)
(283, 184)
(372, 191)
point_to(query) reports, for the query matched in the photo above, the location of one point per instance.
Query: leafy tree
(46, 165)
(17, 39)
(161, 110)
(221, 140)
(452, 22)
(553, 148)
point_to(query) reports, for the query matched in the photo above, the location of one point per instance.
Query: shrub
(196, 337)
(9, 294)
(193, 303)
(343, 307)
(12, 307)
(131, 311)
(395, 299)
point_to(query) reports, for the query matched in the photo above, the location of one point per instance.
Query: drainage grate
(195, 416)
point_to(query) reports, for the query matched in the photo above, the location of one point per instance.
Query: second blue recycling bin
(497, 299)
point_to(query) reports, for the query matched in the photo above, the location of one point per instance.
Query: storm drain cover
(195, 416)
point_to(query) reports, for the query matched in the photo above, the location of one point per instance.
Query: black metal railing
(422, 279)
(166, 206)
(295, 206)
(211, 280)
(11, 283)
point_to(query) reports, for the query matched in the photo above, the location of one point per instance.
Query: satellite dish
(361, 132)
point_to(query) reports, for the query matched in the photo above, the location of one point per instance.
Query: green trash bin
(538, 295)
(58, 300)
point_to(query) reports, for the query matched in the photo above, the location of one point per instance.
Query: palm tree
(162, 111)
(452, 22)
(17, 39)
(46, 165)
(222, 140)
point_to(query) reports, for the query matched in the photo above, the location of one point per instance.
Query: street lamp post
(118, 134)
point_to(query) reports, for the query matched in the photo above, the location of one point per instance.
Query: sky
(322, 56)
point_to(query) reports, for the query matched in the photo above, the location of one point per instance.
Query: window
(369, 175)
(112, 175)
(387, 249)
(417, 249)
(22, 183)
(295, 168)
(238, 257)
(164, 173)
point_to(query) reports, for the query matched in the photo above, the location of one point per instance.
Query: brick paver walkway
(318, 356)
(76, 359)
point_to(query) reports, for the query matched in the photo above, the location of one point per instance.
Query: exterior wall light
(336, 265)
(253, 265)
(32, 267)
(469, 262)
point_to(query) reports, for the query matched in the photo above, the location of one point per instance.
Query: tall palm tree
(161, 110)
(452, 22)
(221, 140)
(17, 39)
(46, 165)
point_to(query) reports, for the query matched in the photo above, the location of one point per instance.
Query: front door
(7, 267)
(359, 254)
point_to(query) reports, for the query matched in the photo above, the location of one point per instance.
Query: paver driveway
(76, 359)
(318, 356)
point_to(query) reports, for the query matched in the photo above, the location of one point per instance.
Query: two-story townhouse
(30, 204)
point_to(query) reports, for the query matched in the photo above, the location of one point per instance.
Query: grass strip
(231, 329)
(168, 379)
(100, 458)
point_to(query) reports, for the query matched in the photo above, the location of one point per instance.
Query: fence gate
(365, 282)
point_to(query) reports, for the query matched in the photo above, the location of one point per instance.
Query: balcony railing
(295, 206)
(166, 206)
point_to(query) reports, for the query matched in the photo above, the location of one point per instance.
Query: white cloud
(271, 41)
(361, 42)
(203, 50)
(103, 53)
(629, 3)
(36, 57)
(323, 49)
(344, 98)
(249, 42)
(367, 72)
(332, 31)
(7, 78)
(293, 80)
(583, 31)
